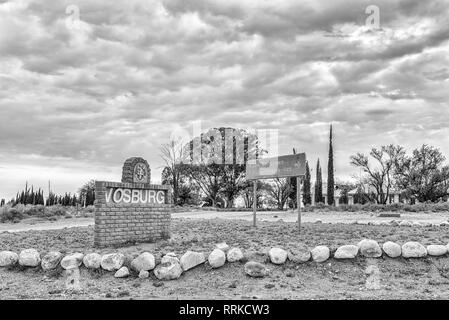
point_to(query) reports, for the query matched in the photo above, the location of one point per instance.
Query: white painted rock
(256, 269)
(123, 272)
(8, 258)
(444, 224)
(217, 259)
(168, 271)
(71, 261)
(223, 247)
(318, 221)
(144, 261)
(406, 223)
(299, 255)
(29, 258)
(278, 255)
(192, 259)
(144, 274)
(370, 248)
(346, 252)
(92, 261)
(413, 249)
(51, 260)
(392, 249)
(320, 254)
(112, 261)
(170, 257)
(436, 250)
(235, 255)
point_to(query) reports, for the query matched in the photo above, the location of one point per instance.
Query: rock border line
(171, 267)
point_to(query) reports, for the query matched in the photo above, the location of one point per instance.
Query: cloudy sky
(78, 97)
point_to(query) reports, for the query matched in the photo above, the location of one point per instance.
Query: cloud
(116, 84)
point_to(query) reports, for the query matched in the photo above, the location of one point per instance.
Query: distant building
(394, 195)
(337, 195)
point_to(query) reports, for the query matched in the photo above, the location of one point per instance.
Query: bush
(10, 215)
(55, 211)
(372, 207)
(19, 212)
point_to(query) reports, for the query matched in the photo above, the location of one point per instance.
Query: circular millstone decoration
(136, 170)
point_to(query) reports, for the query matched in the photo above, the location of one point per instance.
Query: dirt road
(286, 216)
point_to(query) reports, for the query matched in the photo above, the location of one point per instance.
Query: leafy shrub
(10, 215)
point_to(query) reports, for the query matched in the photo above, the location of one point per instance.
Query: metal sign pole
(298, 201)
(254, 202)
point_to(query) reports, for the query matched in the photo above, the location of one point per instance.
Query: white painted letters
(135, 196)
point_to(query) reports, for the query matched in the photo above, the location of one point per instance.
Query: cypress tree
(318, 184)
(293, 188)
(330, 172)
(307, 185)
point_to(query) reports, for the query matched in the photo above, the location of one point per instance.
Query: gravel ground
(399, 278)
(273, 216)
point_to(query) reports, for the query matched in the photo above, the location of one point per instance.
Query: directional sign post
(278, 167)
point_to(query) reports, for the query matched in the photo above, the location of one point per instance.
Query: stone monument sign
(132, 210)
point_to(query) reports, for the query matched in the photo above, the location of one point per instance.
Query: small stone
(144, 261)
(255, 269)
(217, 259)
(444, 224)
(112, 261)
(29, 258)
(92, 261)
(72, 261)
(392, 249)
(436, 250)
(8, 258)
(235, 255)
(318, 221)
(144, 274)
(223, 247)
(191, 260)
(123, 272)
(72, 279)
(278, 256)
(370, 248)
(168, 271)
(299, 255)
(51, 260)
(170, 257)
(346, 252)
(413, 249)
(320, 254)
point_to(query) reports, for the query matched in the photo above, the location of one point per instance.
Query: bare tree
(171, 154)
(279, 191)
(248, 193)
(380, 175)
